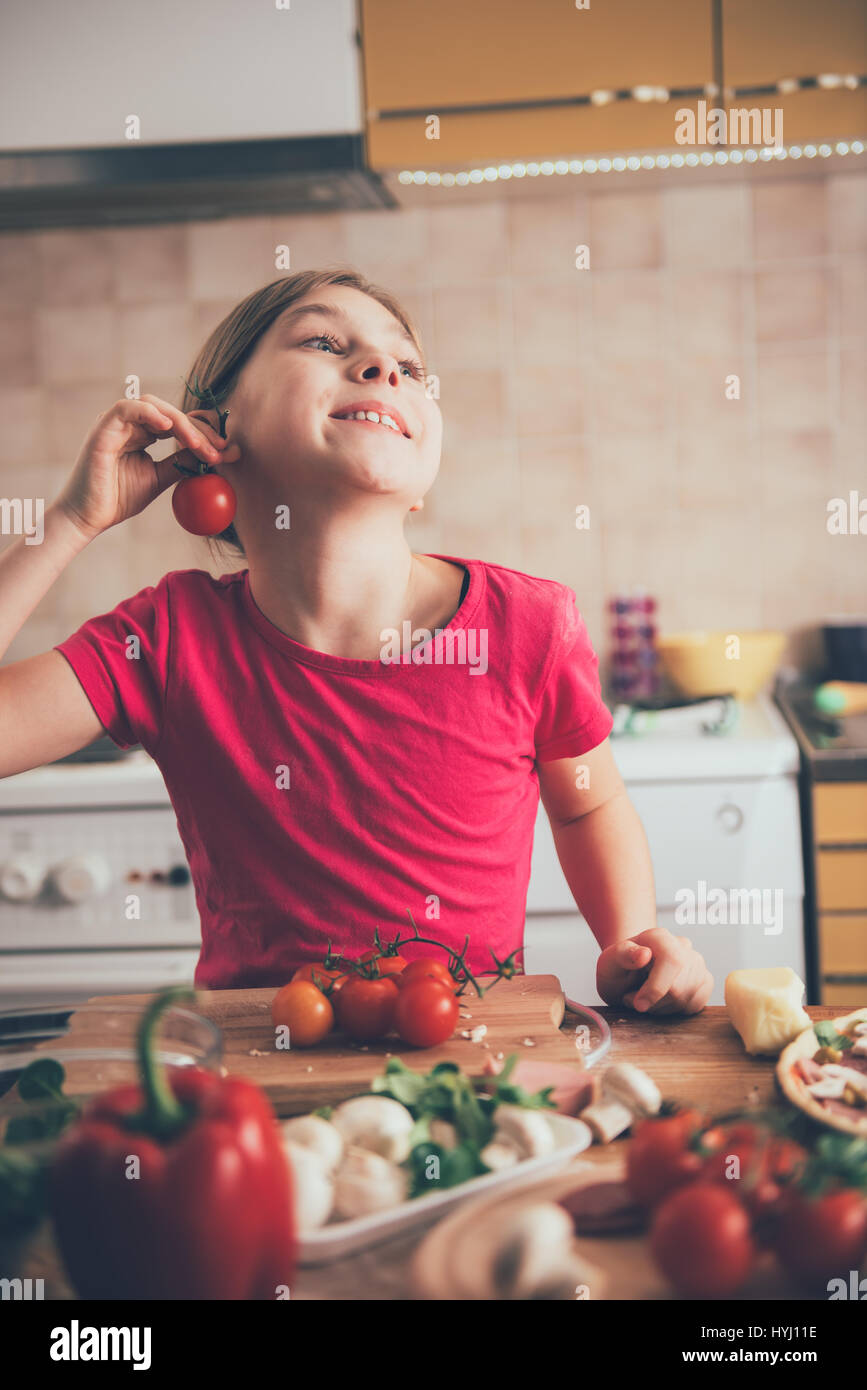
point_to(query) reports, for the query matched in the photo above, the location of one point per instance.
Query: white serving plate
(341, 1238)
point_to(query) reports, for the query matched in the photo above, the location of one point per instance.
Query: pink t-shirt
(320, 796)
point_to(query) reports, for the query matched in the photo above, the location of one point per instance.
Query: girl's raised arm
(44, 712)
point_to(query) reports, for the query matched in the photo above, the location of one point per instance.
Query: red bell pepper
(210, 1214)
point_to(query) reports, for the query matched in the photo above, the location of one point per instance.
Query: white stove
(720, 810)
(95, 894)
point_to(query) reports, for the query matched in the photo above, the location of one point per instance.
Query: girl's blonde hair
(220, 361)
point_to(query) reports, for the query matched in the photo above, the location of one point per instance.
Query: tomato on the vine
(426, 1012)
(701, 1240)
(823, 1237)
(304, 1010)
(428, 968)
(204, 503)
(319, 976)
(386, 965)
(659, 1158)
(366, 1008)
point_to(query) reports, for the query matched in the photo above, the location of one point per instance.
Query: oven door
(49, 977)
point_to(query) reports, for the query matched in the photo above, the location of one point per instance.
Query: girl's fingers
(632, 956)
(184, 431)
(658, 983)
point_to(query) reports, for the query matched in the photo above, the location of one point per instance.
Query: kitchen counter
(697, 1058)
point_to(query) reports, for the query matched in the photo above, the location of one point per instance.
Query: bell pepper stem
(163, 1113)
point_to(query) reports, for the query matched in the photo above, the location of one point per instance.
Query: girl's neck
(337, 588)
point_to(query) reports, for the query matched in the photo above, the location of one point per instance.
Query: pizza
(824, 1072)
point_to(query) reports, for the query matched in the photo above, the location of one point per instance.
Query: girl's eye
(415, 369)
(324, 338)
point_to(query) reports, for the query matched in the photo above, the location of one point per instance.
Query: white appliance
(719, 809)
(96, 898)
(95, 892)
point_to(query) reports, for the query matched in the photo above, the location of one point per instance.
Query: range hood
(211, 109)
(170, 183)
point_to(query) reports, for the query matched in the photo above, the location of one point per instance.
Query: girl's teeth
(375, 419)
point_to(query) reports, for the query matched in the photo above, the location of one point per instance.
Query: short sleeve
(572, 717)
(121, 660)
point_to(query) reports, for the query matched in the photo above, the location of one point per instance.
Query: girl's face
(332, 352)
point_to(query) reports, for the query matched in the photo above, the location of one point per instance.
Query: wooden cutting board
(522, 1015)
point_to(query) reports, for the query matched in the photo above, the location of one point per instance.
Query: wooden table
(698, 1058)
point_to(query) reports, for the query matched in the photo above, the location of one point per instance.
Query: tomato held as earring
(204, 503)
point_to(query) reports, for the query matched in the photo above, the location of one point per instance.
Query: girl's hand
(654, 972)
(114, 478)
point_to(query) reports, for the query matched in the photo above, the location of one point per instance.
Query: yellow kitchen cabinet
(767, 39)
(432, 60)
(841, 879)
(850, 995)
(839, 818)
(843, 945)
(840, 813)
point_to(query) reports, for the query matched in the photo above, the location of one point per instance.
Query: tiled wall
(559, 386)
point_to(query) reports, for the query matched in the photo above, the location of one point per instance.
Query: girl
(324, 784)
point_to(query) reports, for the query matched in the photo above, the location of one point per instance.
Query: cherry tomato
(204, 504)
(304, 1010)
(824, 1237)
(658, 1159)
(320, 976)
(365, 1008)
(426, 1012)
(701, 1240)
(739, 1156)
(428, 968)
(387, 965)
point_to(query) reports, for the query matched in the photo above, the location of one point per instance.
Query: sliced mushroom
(497, 1156)
(607, 1119)
(312, 1187)
(318, 1135)
(534, 1256)
(377, 1123)
(367, 1182)
(527, 1130)
(632, 1087)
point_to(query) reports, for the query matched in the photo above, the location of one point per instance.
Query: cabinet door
(841, 880)
(843, 945)
(765, 40)
(840, 813)
(425, 59)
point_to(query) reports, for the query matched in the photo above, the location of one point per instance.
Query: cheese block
(765, 1007)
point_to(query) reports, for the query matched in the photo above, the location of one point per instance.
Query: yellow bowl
(711, 663)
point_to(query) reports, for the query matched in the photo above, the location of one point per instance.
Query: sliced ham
(808, 1070)
(574, 1087)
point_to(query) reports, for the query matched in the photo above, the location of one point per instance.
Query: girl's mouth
(373, 414)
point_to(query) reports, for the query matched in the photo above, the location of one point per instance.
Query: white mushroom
(377, 1123)
(367, 1182)
(632, 1087)
(497, 1156)
(607, 1119)
(312, 1188)
(534, 1256)
(318, 1135)
(527, 1130)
